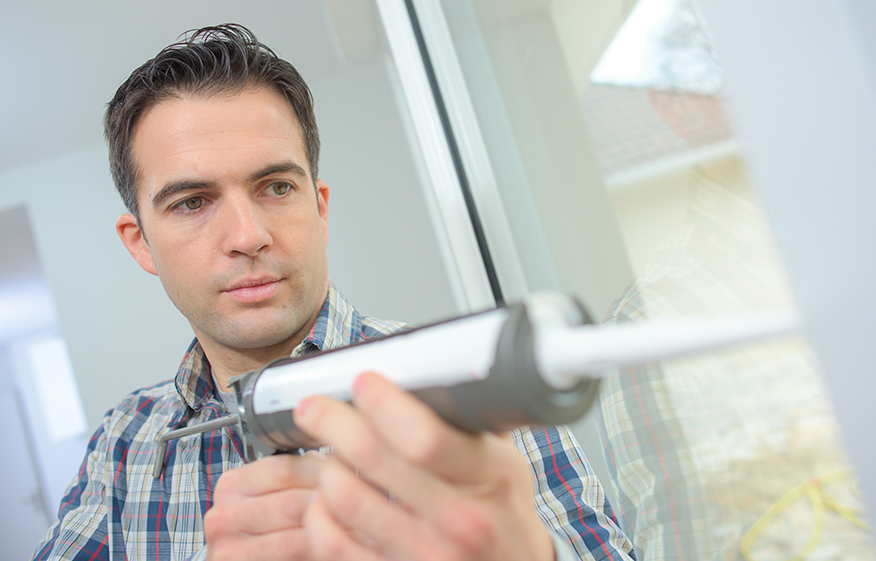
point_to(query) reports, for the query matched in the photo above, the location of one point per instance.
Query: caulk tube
(447, 353)
(537, 363)
(477, 372)
(514, 393)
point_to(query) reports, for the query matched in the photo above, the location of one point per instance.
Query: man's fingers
(389, 528)
(357, 504)
(359, 446)
(419, 434)
(288, 545)
(465, 496)
(457, 526)
(272, 512)
(261, 498)
(271, 474)
(330, 541)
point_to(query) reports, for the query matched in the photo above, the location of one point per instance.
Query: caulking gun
(539, 362)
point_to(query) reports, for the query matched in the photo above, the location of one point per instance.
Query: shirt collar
(194, 383)
(337, 325)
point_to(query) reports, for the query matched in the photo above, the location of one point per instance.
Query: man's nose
(246, 228)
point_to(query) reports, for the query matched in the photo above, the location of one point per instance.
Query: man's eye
(279, 188)
(193, 203)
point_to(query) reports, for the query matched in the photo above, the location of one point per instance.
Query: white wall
(113, 316)
(56, 460)
(383, 253)
(802, 82)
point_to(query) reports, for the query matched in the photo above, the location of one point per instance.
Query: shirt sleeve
(200, 555)
(563, 551)
(569, 498)
(80, 533)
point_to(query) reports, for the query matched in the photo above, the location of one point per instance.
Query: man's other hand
(459, 495)
(258, 509)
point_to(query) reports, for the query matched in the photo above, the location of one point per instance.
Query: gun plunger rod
(161, 447)
(529, 364)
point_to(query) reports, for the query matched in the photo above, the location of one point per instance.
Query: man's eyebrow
(177, 186)
(173, 188)
(282, 167)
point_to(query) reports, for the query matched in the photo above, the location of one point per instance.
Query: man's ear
(132, 236)
(322, 200)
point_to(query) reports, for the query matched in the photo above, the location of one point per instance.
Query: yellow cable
(813, 490)
(845, 511)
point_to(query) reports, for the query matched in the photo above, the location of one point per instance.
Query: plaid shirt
(116, 509)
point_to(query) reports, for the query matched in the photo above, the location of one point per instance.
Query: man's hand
(258, 509)
(462, 496)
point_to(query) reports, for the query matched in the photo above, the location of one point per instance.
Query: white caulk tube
(537, 363)
(478, 372)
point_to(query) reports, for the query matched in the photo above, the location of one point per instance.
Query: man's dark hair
(208, 61)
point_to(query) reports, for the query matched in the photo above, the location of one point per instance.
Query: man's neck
(227, 363)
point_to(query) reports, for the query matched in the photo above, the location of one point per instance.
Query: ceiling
(61, 61)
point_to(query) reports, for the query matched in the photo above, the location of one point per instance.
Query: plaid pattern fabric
(116, 509)
(701, 447)
(569, 498)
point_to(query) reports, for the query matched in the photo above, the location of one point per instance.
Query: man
(214, 148)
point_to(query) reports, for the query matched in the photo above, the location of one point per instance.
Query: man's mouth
(254, 290)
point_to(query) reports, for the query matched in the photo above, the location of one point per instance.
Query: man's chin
(259, 341)
(249, 338)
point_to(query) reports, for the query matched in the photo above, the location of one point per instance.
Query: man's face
(230, 220)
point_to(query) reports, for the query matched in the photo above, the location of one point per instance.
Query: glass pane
(606, 121)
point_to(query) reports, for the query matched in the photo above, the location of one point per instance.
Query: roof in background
(632, 126)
